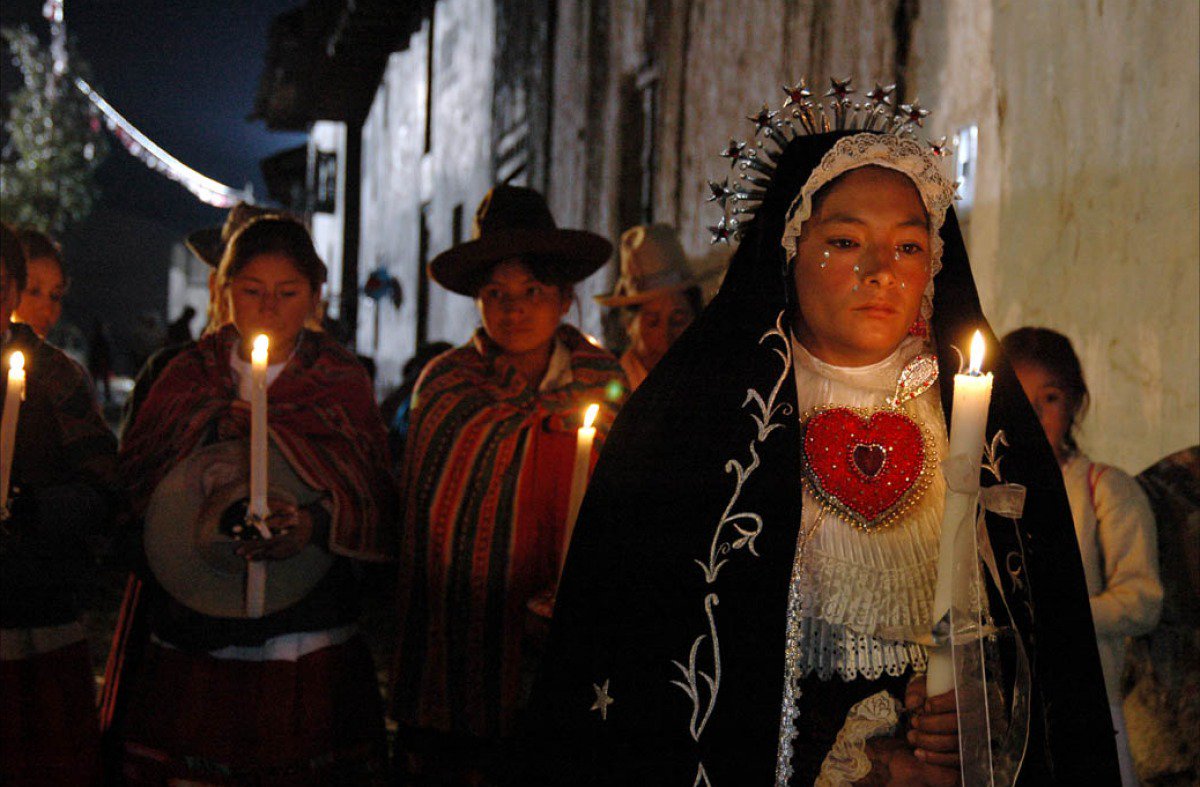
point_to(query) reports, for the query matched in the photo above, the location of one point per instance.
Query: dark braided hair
(1053, 352)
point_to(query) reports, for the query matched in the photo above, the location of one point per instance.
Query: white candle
(579, 475)
(968, 424)
(256, 571)
(14, 393)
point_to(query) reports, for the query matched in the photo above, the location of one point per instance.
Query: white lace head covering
(880, 150)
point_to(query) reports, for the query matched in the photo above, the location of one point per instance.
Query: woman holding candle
(749, 599)
(293, 691)
(486, 482)
(61, 469)
(1113, 519)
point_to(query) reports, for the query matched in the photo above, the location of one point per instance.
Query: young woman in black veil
(730, 603)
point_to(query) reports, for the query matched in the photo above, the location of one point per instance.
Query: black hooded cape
(638, 593)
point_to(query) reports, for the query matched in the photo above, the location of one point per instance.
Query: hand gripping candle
(14, 393)
(256, 570)
(968, 424)
(579, 474)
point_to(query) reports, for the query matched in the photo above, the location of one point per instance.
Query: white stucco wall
(328, 136)
(459, 166)
(1087, 216)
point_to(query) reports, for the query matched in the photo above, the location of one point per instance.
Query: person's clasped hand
(925, 751)
(291, 530)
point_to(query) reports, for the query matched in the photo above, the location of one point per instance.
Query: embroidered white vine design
(747, 524)
(691, 672)
(703, 685)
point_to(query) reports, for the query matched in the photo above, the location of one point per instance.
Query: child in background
(1113, 520)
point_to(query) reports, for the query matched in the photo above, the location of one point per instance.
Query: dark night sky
(184, 72)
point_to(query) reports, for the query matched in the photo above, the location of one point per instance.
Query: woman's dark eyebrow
(847, 218)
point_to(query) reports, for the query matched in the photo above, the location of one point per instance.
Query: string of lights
(153, 156)
(134, 141)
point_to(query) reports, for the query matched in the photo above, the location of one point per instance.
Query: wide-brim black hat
(208, 243)
(513, 221)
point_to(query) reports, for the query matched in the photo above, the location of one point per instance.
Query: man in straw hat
(486, 482)
(659, 294)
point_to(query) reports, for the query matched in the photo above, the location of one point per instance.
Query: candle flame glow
(976, 366)
(16, 361)
(589, 417)
(261, 344)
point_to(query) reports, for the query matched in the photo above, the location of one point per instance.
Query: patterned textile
(321, 414)
(666, 660)
(314, 721)
(485, 484)
(64, 466)
(1162, 676)
(48, 731)
(61, 436)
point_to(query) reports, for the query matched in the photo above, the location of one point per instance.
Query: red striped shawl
(485, 483)
(321, 414)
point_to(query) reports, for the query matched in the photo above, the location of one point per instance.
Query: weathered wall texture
(1086, 220)
(329, 137)
(401, 181)
(1085, 214)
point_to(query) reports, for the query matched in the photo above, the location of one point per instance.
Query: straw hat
(510, 222)
(652, 265)
(209, 243)
(191, 556)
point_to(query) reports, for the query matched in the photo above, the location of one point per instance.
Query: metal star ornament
(914, 113)
(939, 147)
(603, 700)
(719, 192)
(881, 94)
(722, 231)
(762, 119)
(733, 151)
(840, 88)
(796, 94)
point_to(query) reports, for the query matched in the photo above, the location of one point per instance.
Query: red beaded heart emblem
(869, 466)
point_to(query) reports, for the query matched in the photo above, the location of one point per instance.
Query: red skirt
(49, 732)
(317, 720)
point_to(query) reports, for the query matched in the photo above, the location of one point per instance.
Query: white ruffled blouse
(850, 585)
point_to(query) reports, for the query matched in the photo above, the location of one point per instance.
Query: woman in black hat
(737, 606)
(486, 479)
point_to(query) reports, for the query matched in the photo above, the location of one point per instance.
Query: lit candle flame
(261, 345)
(16, 361)
(589, 417)
(976, 366)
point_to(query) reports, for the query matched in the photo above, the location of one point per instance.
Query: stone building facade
(1083, 213)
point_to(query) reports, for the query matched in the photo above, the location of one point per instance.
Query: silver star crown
(800, 115)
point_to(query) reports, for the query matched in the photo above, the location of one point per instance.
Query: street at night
(546, 392)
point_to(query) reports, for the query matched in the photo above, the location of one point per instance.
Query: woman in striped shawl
(486, 481)
(289, 698)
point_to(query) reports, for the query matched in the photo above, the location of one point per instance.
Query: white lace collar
(848, 585)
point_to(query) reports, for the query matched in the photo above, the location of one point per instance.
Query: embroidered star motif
(602, 700)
